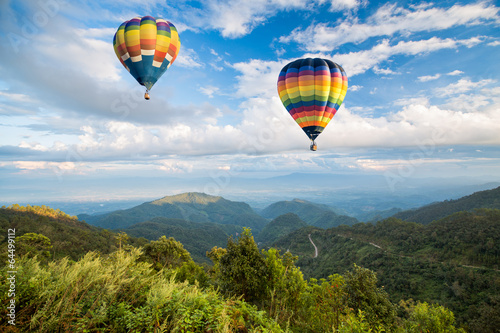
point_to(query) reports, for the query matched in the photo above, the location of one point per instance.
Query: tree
(32, 244)
(166, 252)
(363, 294)
(242, 269)
(121, 238)
(284, 285)
(431, 318)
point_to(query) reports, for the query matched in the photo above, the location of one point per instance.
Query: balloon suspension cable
(313, 146)
(146, 95)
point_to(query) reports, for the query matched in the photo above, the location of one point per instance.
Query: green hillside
(197, 238)
(454, 261)
(439, 210)
(280, 226)
(331, 219)
(322, 216)
(68, 236)
(195, 207)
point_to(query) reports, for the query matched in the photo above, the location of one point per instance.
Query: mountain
(280, 226)
(194, 207)
(330, 220)
(453, 261)
(319, 215)
(306, 210)
(197, 238)
(68, 236)
(439, 210)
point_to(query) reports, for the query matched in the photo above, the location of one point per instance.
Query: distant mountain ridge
(194, 207)
(439, 210)
(318, 215)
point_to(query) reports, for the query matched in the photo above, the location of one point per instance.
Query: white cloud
(412, 101)
(339, 5)
(258, 77)
(173, 166)
(42, 165)
(384, 71)
(209, 91)
(426, 78)
(389, 20)
(356, 63)
(355, 88)
(455, 73)
(187, 58)
(463, 85)
(90, 56)
(33, 146)
(238, 18)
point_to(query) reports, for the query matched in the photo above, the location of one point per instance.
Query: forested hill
(439, 210)
(454, 261)
(318, 215)
(280, 226)
(195, 207)
(57, 234)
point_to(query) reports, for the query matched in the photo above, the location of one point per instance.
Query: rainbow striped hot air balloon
(146, 47)
(312, 91)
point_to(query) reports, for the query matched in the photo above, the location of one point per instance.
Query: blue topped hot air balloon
(146, 47)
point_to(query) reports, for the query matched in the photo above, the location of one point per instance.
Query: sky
(423, 98)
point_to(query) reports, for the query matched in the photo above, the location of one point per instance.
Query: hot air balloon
(146, 47)
(312, 91)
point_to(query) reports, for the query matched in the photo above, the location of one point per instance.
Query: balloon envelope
(146, 47)
(312, 91)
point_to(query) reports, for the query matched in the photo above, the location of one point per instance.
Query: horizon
(422, 106)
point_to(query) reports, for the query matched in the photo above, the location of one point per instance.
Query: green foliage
(284, 286)
(323, 305)
(32, 244)
(241, 270)
(165, 252)
(363, 294)
(120, 294)
(193, 273)
(430, 318)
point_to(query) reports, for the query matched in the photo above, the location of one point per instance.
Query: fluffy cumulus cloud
(389, 20)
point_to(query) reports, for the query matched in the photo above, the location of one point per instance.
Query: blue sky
(423, 98)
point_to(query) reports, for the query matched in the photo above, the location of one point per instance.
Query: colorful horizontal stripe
(146, 47)
(312, 91)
